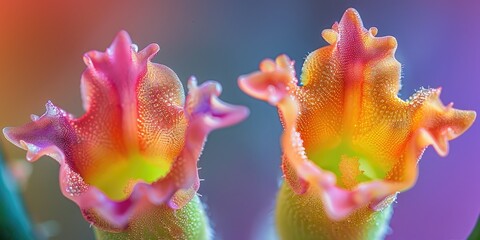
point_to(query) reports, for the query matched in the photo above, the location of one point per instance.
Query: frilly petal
(44, 135)
(345, 122)
(138, 124)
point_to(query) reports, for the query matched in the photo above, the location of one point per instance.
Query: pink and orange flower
(347, 134)
(138, 143)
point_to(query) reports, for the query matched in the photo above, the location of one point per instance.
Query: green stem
(476, 231)
(303, 217)
(189, 222)
(14, 222)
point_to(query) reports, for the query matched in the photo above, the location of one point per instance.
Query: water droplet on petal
(134, 47)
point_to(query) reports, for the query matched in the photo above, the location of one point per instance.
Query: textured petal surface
(138, 142)
(347, 132)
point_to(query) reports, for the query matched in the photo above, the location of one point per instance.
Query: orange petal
(138, 143)
(347, 132)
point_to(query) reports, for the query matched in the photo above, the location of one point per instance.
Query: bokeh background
(41, 48)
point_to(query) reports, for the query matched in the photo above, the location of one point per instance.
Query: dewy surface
(347, 132)
(139, 140)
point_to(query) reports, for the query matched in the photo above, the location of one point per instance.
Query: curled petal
(43, 135)
(138, 142)
(346, 132)
(204, 106)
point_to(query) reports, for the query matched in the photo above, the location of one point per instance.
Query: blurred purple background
(41, 48)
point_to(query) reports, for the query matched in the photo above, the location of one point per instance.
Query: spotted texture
(188, 223)
(301, 217)
(347, 134)
(160, 111)
(138, 143)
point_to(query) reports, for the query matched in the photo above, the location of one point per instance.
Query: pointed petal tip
(34, 117)
(203, 103)
(123, 37)
(51, 109)
(155, 47)
(468, 117)
(192, 82)
(87, 59)
(250, 85)
(207, 88)
(242, 82)
(244, 112)
(351, 11)
(121, 45)
(152, 49)
(267, 65)
(240, 112)
(147, 53)
(283, 61)
(7, 132)
(471, 116)
(93, 57)
(330, 36)
(460, 122)
(351, 15)
(273, 83)
(214, 87)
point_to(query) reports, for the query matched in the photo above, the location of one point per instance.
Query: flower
(347, 135)
(138, 143)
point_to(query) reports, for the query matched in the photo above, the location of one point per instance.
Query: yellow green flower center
(117, 178)
(350, 165)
